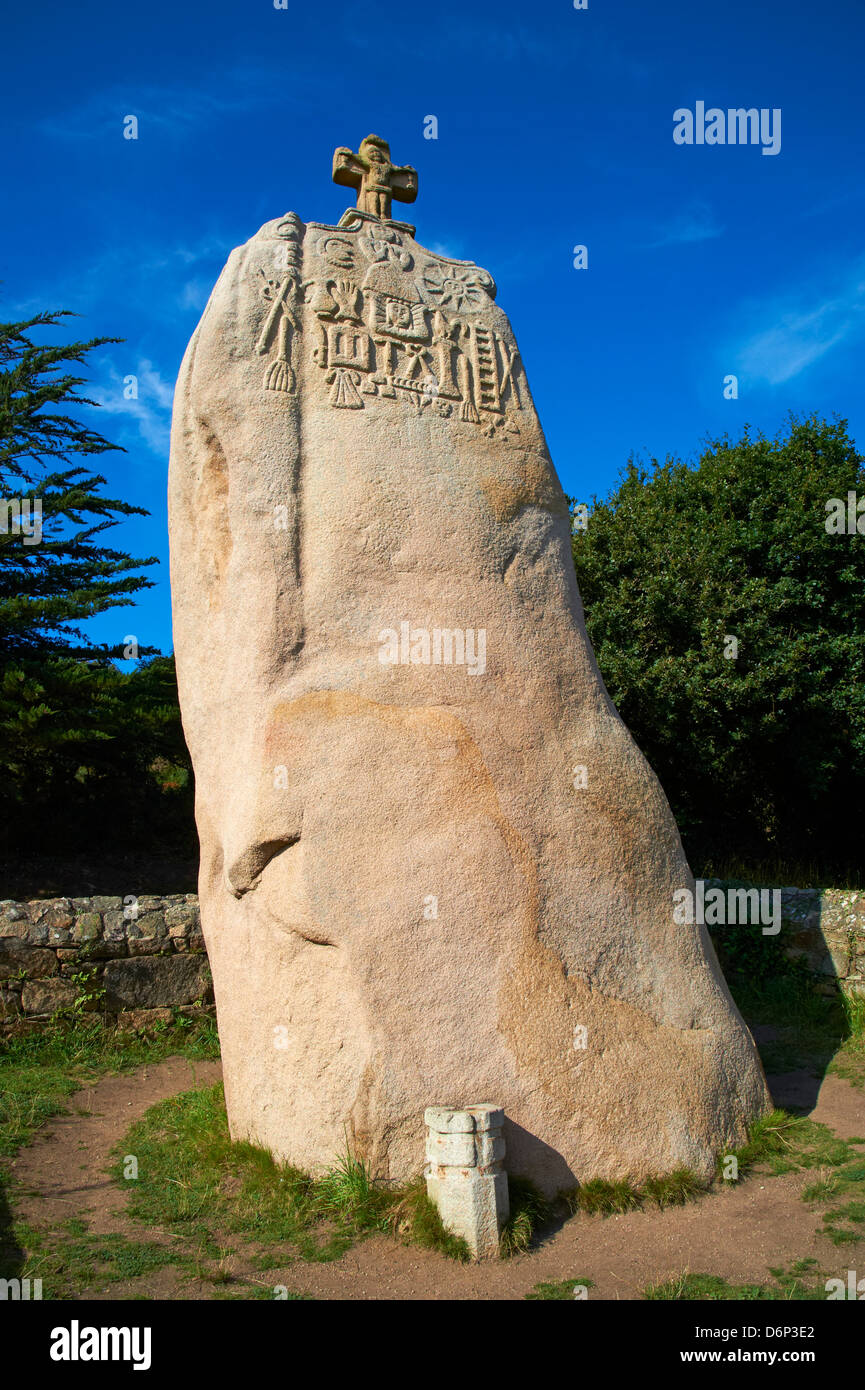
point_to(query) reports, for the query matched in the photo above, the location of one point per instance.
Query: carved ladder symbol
(488, 382)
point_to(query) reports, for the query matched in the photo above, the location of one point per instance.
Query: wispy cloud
(697, 222)
(173, 108)
(149, 411)
(556, 46)
(134, 273)
(789, 333)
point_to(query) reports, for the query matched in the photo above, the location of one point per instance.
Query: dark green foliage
(762, 756)
(92, 756)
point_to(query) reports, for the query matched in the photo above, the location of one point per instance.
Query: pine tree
(49, 587)
(93, 757)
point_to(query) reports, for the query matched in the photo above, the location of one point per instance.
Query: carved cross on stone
(375, 178)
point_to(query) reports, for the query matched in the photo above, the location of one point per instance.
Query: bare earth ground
(737, 1232)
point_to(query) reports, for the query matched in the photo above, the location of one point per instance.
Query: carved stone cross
(375, 178)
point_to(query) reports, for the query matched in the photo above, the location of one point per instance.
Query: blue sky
(555, 128)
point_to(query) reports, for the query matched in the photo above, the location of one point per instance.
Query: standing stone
(409, 889)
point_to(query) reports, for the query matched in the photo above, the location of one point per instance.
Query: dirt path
(738, 1232)
(62, 1173)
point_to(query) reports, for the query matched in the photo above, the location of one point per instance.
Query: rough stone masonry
(408, 897)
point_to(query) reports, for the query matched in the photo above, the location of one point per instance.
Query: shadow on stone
(527, 1155)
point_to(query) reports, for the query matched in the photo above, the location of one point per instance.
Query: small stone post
(465, 1177)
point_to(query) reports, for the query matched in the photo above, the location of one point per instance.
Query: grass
(600, 1197)
(71, 1259)
(769, 1137)
(782, 1143)
(39, 1070)
(558, 1290)
(416, 1217)
(195, 1182)
(528, 1212)
(221, 1213)
(849, 1060)
(207, 1192)
(816, 1031)
(711, 1288)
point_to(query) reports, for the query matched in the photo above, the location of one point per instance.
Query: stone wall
(825, 929)
(828, 930)
(141, 960)
(133, 960)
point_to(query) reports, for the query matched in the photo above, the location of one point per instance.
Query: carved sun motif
(461, 288)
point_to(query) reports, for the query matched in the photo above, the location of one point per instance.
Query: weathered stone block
(88, 927)
(452, 1150)
(102, 904)
(464, 1174)
(147, 946)
(835, 962)
(103, 950)
(155, 982)
(147, 924)
(10, 1003)
(394, 423)
(14, 927)
(47, 996)
(17, 956)
(445, 1120)
(181, 919)
(115, 926)
(149, 903)
(59, 913)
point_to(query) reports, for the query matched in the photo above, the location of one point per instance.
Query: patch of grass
(790, 1286)
(558, 1290)
(39, 1070)
(70, 1264)
(194, 1181)
(849, 1061)
(822, 1190)
(815, 1031)
(782, 1143)
(418, 1219)
(598, 1196)
(528, 1211)
(349, 1194)
(843, 1224)
(770, 1138)
(674, 1189)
